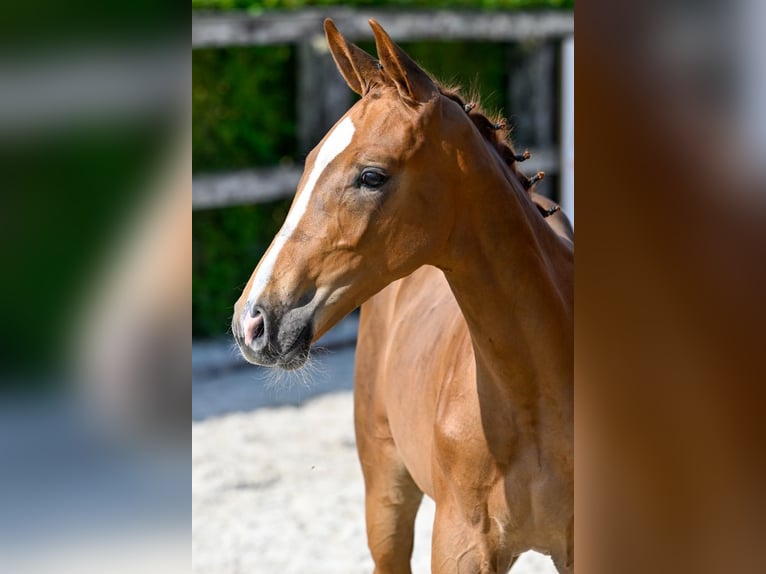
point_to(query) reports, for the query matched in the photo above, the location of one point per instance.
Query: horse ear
(411, 80)
(358, 68)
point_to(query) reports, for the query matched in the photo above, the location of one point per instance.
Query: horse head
(374, 203)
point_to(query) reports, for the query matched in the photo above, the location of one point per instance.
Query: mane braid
(495, 131)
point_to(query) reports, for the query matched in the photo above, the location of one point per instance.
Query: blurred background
(669, 328)
(95, 251)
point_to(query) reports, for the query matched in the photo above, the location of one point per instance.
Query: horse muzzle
(273, 337)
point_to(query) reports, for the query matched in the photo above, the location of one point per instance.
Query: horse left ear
(358, 68)
(411, 80)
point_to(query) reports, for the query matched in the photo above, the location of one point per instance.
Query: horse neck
(513, 279)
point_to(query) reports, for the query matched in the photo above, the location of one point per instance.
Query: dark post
(533, 105)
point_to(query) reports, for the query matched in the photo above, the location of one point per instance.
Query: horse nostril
(254, 327)
(259, 327)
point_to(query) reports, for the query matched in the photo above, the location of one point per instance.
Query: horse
(464, 374)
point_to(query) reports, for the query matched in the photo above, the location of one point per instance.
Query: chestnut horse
(464, 385)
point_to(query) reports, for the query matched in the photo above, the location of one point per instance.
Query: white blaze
(337, 141)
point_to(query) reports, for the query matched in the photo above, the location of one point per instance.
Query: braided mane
(495, 131)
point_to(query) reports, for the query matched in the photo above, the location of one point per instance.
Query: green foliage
(260, 5)
(243, 114)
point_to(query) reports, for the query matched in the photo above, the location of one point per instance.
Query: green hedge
(242, 108)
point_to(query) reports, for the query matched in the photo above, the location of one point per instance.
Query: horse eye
(372, 179)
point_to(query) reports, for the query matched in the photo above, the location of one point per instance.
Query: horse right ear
(358, 68)
(412, 82)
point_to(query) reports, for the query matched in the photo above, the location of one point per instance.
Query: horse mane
(496, 132)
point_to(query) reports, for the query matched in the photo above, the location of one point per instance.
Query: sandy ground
(276, 483)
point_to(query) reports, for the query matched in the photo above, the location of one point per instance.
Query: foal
(484, 426)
